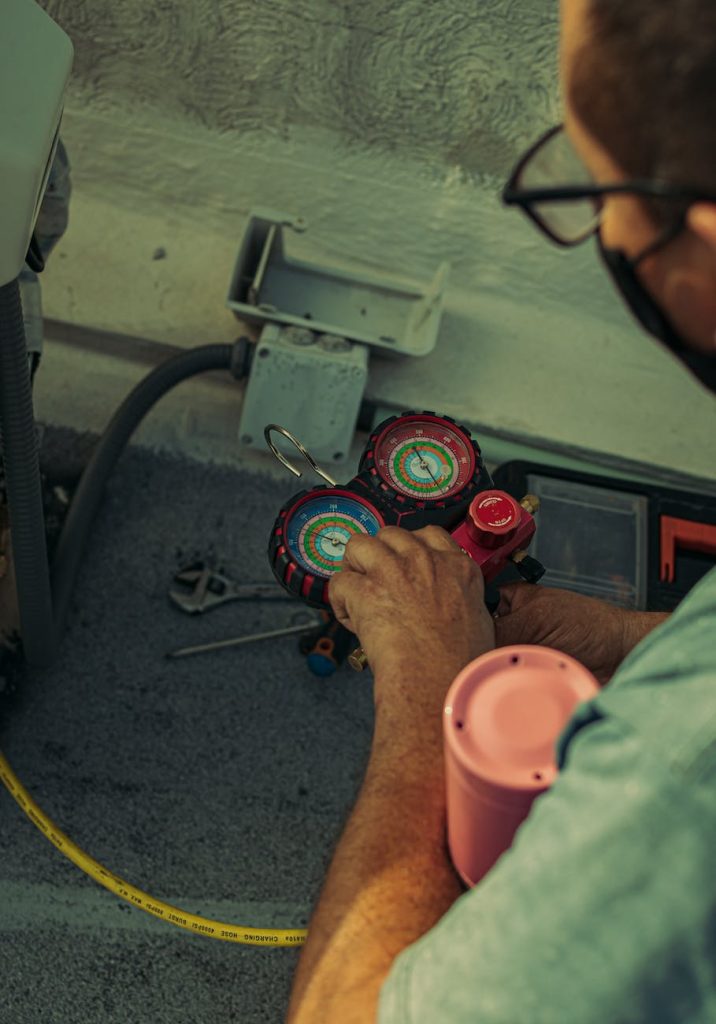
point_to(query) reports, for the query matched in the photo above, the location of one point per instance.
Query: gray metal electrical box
(318, 324)
(268, 286)
(311, 384)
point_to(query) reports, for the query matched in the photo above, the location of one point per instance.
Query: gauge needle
(336, 540)
(424, 465)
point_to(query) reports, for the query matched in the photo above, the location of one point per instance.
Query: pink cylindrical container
(502, 718)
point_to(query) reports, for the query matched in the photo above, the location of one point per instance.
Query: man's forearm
(638, 625)
(390, 881)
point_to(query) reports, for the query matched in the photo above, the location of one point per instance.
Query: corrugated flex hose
(41, 625)
(134, 408)
(22, 480)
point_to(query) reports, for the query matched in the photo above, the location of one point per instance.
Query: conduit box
(268, 286)
(312, 384)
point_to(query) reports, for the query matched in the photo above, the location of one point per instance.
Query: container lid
(506, 710)
(593, 540)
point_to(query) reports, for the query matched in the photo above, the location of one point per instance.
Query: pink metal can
(503, 715)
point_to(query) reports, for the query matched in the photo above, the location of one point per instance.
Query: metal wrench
(310, 621)
(209, 589)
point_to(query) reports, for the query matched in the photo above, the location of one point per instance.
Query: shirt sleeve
(602, 912)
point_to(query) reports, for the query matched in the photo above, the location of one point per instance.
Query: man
(604, 909)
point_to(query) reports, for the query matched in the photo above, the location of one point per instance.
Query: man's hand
(596, 633)
(416, 602)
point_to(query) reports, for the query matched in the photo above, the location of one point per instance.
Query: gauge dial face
(425, 459)
(319, 529)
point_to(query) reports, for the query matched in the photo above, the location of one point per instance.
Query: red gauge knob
(493, 518)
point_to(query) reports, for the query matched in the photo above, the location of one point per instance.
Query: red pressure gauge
(420, 460)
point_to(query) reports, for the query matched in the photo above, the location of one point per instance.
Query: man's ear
(690, 286)
(701, 219)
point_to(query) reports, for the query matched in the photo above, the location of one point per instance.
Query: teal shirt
(604, 909)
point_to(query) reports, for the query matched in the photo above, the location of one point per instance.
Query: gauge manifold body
(418, 469)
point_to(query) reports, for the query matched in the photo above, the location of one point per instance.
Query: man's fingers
(363, 553)
(406, 543)
(506, 596)
(344, 591)
(510, 630)
(436, 538)
(514, 596)
(402, 542)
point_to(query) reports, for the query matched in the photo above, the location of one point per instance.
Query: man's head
(639, 81)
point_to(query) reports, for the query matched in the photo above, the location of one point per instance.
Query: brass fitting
(357, 660)
(530, 503)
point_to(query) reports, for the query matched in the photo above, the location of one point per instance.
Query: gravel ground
(219, 783)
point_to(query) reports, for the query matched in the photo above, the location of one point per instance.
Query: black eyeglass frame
(513, 195)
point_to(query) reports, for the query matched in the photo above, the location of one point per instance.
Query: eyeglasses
(557, 192)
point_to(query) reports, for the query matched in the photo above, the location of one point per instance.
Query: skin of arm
(637, 626)
(390, 881)
(597, 633)
(391, 878)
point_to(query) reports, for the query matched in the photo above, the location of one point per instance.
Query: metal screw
(299, 336)
(334, 343)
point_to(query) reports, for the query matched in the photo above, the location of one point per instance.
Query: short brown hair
(645, 87)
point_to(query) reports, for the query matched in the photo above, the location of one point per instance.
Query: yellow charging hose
(246, 936)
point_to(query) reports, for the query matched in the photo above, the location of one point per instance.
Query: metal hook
(297, 444)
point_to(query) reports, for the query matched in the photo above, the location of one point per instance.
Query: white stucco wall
(390, 128)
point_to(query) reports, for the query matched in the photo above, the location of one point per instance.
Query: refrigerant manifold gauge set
(417, 470)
